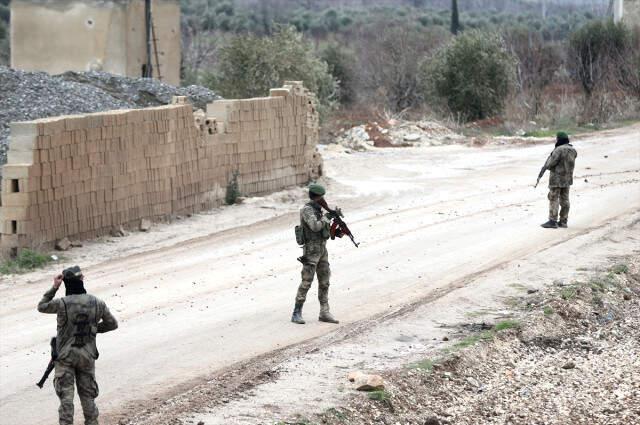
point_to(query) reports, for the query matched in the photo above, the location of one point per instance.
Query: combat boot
(296, 317)
(563, 224)
(551, 224)
(325, 314)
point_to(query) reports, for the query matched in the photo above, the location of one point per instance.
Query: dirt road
(426, 217)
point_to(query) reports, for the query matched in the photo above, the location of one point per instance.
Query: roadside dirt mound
(574, 357)
(395, 133)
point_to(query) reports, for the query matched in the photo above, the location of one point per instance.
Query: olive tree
(472, 75)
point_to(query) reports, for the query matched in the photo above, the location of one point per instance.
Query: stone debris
(63, 244)
(366, 382)
(31, 95)
(145, 225)
(394, 133)
(118, 232)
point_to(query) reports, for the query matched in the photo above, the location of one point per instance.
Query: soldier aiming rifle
(312, 234)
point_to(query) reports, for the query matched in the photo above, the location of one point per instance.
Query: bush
(249, 66)
(472, 75)
(25, 261)
(233, 189)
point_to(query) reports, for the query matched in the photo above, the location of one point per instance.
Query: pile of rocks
(32, 95)
(394, 133)
(422, 132)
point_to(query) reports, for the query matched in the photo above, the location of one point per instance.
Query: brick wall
(81, 176)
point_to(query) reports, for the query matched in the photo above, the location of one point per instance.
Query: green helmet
(316, 189)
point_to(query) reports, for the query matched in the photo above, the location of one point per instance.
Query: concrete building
(108, 35)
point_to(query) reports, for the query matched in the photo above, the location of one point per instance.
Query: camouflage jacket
(80, 318)
(314, 226)
(561, 163)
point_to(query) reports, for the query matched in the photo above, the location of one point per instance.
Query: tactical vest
(310, 235)
(78, 324)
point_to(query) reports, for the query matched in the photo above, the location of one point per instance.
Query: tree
(537, 65)
(341, 68)
(455, 19)
(248, 66)
(389, 63)
(598, 52)
(472, 75)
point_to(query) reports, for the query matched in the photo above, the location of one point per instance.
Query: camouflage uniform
(315, 256)
(560, 163)
(80, 318)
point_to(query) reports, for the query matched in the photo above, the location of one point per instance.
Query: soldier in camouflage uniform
(560, 163)
(315, 258)
(80, 317)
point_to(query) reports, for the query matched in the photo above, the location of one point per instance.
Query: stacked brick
(81, 176)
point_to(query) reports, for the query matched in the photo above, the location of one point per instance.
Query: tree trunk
(455, 20)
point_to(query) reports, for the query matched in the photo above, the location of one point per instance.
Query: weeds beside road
(571, 357)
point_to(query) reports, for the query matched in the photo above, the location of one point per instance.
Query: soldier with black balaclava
(80, 318)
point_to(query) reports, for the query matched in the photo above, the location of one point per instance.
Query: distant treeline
(323, 18)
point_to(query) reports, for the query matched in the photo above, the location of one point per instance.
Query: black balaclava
(72, 278)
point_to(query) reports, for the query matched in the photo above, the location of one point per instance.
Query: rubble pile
(32, 95)
(394, 133)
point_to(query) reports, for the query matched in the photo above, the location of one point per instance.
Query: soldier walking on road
(315, 230)
(80, 317)
(560, 164)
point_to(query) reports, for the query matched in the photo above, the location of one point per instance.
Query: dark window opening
(15, 186)
(13, 253)
(14, 227)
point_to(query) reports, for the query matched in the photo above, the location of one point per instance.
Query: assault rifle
(51, 365)
(543, 170)
(338, 227)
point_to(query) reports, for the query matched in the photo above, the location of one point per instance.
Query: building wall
(93, 35)
(169, 39)
(80, 176)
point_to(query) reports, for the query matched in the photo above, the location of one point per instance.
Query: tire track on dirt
(234, 380)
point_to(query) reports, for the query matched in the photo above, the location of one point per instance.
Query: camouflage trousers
(559, 200)
(76, 367)
(316, 263)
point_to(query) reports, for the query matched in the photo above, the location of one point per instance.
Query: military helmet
(316, 189)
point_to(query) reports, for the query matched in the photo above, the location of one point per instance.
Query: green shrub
(379, 395)
(250, 65)
(620, 268)
(233, 190)
(25, 261)
(472, 75)
(506, 324)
